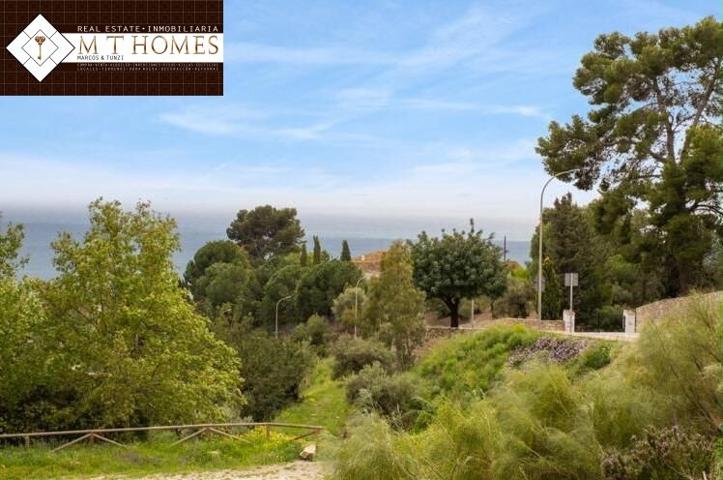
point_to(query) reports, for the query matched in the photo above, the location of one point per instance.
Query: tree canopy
(124, 343)
(458, 265)
(266, 231)
(652, 137)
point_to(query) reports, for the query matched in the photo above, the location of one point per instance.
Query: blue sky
(364, 115)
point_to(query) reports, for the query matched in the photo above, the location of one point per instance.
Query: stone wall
(662, 308)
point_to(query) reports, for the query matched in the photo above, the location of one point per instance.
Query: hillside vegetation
(557, 408)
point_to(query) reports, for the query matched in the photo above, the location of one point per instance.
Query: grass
(323, 402)
(156, 455)
(467, 366)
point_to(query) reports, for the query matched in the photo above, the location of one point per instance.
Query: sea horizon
(39, 235)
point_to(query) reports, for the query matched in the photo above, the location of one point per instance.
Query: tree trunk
(453, 313)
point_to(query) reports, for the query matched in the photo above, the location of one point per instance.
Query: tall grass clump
(374, 452)
(646, 410)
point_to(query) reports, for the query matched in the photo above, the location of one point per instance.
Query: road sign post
(571, 280)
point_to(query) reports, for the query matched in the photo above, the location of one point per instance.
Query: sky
(370, 117)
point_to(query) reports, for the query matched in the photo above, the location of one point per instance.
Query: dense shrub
(517, 299)
(395, 397)
(316, 332)
(595, 357)
(273, 370)
(353, 354)
(662, 454)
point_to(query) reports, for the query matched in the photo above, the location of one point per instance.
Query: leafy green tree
(552, 295)
(217, 251)
(266, 231)
(395, 310)
(10, 243)
(24, 367)
(349, 306)
(321, 284)
(652, 137)
(345, 252)
(123, 340)
(221, 275)
(282, 284)
(457, 266)
(317, 251)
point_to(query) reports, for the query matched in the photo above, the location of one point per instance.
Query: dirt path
(287, 471)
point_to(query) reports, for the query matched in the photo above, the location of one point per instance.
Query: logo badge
(40, 48)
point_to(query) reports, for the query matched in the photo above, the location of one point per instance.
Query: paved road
(288, 471)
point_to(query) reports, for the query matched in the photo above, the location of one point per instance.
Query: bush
(395, 397)
(662, 454)
(273, 370)
(353, 354)
(517, 299)
(595, 357)
(315, 332)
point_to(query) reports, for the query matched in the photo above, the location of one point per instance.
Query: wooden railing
(222, 429)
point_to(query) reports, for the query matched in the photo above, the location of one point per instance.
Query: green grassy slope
(142, 458)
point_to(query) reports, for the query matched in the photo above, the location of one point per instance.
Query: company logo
(40, 48)
(98, 47)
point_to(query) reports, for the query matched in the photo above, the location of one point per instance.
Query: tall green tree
(266, 231)
(10, 243)
(552, 295)
(321, 284)
(458, 265)
(124, 341)
(304, 257)
(395, 308)
(573, 247)
(345, 252)
(317, 251)
(652, 137)
(220, 276)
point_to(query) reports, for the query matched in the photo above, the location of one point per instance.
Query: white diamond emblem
(40, 48)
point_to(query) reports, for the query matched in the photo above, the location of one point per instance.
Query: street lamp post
(276, 327)
(356, 304)
(539, 241)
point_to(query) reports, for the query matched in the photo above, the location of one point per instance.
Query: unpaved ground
(287, 471)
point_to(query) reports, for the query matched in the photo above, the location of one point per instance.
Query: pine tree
(345, 252)
(304, 257)
(317, 251)
(552, 295)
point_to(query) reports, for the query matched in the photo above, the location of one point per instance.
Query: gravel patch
(287, 471)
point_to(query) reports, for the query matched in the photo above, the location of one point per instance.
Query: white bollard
(629, 320)
(568, 320)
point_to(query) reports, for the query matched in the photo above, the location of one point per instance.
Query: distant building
(370, 264)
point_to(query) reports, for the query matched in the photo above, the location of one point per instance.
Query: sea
(39, 235)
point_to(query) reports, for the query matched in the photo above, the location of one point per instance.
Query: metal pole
(356, 304)
(471, 314)
(571, 295)
(276, 326)
(539, 242)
